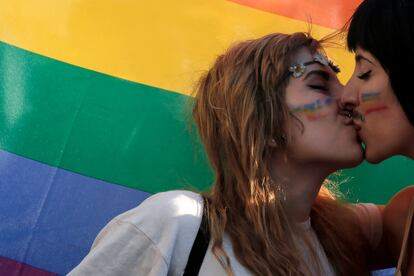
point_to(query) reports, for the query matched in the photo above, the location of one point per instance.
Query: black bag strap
(199, 249)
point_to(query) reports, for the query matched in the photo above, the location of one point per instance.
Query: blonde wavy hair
(240, 105)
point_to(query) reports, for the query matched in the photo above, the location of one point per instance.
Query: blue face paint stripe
(370, 96)
(313, 106)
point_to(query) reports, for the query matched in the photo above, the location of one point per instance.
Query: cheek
(314, 143)
(315, 134)
(385, 126)
(372, 102)
(378, 97)
(383, 139)
(314, 110)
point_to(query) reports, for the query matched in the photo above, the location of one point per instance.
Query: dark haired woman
(380, 95)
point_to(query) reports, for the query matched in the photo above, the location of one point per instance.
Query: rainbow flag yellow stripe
(166, 46)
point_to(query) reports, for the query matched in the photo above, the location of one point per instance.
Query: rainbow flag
(94, 100)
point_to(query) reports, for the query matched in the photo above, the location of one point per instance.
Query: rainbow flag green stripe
(376, 183)
(87, 122)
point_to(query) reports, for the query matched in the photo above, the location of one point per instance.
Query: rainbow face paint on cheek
(370, 96)
(314, 110)
(371, 102)
(375, 109)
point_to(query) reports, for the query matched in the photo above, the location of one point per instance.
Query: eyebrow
(360, 57)
(321, 73)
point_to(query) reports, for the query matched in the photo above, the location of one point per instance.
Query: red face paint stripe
(374, 109)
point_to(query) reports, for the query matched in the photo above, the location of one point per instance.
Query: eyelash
(365, 76)
(318, 87)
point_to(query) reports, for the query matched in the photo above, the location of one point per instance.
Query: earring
(281, 192)
(272, 142)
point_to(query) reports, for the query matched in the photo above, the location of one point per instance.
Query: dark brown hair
(385, 28)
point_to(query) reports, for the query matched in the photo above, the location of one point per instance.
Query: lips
(352, 117)
(357, 116)
(360, 139)
(348, 120)
(347, 117)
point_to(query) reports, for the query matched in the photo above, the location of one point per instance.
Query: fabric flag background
(94, 99)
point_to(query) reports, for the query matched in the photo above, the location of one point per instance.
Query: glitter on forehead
(298, 69)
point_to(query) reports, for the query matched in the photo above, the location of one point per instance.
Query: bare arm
(394, 217)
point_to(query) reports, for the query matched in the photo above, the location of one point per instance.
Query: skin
(324, 144)
(327, 142)
(394, 217)
(385, 131)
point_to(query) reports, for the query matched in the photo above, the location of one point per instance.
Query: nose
(350, 96)
(338, 91)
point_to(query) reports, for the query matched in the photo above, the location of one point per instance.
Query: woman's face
(313, 98)
(381, 122)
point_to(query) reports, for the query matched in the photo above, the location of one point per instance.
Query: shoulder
(398, 206)
(152, 239)
(395, 214)
(368, 211)
(396, 210)
(165, 208)
(369, 217)
(170, 220)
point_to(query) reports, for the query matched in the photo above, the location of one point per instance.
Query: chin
(354, 158)
(377, 152)
(374, 157)
(351, 163)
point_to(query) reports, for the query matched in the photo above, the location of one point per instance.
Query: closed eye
(318, 87)
(364, 76)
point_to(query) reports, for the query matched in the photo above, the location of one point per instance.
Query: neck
(408, 149)
(410, 152)
(301, 184)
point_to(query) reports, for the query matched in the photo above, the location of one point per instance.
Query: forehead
(302, 55)
(364, 56)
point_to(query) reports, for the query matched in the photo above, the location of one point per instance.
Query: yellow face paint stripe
(164, 47)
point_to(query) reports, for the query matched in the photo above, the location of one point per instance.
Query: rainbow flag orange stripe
(327, 13)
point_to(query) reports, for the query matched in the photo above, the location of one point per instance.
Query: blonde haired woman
(268, 117)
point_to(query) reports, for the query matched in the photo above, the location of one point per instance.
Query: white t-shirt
(156, 237)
